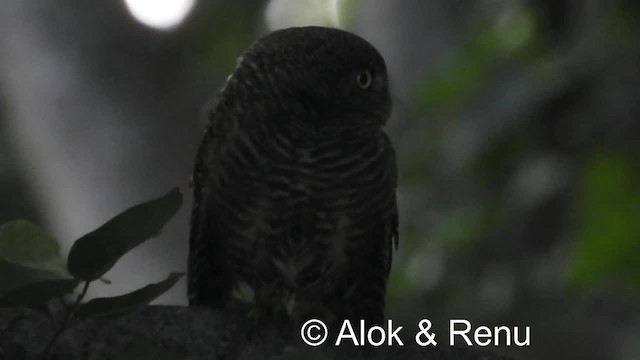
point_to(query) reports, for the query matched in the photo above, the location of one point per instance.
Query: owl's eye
(364, 79)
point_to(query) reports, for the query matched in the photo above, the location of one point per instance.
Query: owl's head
(328, 74)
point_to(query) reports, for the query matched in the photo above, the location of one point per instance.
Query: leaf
(140, 297)
(607, 207)
(96, 252)
(27, 254)
(25, 244)
(38, 292)
(14, 275)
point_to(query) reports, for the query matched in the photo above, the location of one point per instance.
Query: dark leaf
(96, 252)
(141, 297)
(38, 292)
(13, 275)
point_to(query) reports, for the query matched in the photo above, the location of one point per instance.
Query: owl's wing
(206, 283)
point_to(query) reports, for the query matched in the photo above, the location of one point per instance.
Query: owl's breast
(295, 207)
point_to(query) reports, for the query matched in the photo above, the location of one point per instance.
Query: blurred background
(516, 124)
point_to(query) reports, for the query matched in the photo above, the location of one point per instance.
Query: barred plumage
(294, 181)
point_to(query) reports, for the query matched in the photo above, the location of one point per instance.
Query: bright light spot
(160, 14)
(281, 14)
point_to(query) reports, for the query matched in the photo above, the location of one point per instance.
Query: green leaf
(96, 252)
(607, 207)
(140, 297)
(38, 292)
(27, 254)
(25, 244)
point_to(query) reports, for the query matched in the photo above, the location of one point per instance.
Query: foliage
(143, 296)
(27, 254)
(519, 176)
(96, 252)
(608, 246)
(34, 273)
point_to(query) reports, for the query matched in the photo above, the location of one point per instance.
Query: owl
(294, 181)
